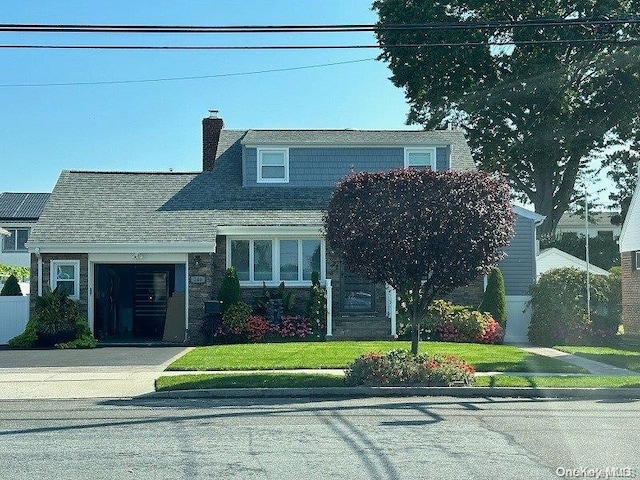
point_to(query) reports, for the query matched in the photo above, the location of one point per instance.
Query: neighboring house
(18, 214)
(630, 263)
(551, 258)
(599, 224)
(143, 252)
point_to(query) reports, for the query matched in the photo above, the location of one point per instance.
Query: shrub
(295, 327)
(454, 323)
(56, 321)
(494, 300)
(56, 316)
(11, 288)
(229, 293)
(400, 367)
(258, 328)
(84, 338)
(236, 316)
(559, 308)
(448, 370)
(317, 307)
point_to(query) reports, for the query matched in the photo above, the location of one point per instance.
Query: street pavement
(443, 438)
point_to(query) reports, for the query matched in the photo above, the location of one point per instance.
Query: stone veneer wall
(630, 295)
(83, 302)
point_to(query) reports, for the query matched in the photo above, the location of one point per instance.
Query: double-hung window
(16, 241)
(275, 260)
(424, 157)
(273, 165)
(637, 260)
(65, 275)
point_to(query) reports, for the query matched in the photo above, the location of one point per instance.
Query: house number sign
(198, 279)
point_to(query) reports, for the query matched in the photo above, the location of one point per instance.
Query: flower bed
(399, 367)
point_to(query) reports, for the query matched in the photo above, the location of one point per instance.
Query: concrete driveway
(106, 372)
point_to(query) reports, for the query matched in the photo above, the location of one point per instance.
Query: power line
(198, 77)
(330, 28)
(488, 43)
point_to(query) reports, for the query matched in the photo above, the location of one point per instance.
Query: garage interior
(139, 303)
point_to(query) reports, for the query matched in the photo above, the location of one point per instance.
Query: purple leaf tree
(422, 232)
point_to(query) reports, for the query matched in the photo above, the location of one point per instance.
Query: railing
(14, 315)
(392, 299)
(329, 289)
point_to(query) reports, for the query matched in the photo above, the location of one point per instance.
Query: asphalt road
(416, 438)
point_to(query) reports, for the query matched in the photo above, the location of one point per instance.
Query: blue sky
(156, 126)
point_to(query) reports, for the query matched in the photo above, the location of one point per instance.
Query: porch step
(361, 328)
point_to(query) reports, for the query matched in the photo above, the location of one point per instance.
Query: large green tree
(536, 111)
(623, 170)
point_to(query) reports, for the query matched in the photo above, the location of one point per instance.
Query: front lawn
(628, 358)
(303, 380)
(587, 381)
(295, 355)
(248, 380)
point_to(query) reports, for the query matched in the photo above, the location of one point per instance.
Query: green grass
(295, 355)
(558, 382)
(628, 358)
(302, 380)
(248, 380)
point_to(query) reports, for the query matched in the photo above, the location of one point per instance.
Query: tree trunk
(415, 321)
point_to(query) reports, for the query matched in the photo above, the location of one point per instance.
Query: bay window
(274, 260)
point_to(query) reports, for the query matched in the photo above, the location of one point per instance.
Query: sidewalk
(132, 381)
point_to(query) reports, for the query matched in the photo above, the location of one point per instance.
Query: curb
(360, 392)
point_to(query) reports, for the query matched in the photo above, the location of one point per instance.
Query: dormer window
(273, 165)
(424, 157)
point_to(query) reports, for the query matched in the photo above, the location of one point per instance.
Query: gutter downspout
(37, 252)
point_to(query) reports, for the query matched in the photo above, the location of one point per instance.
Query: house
(630, 264)
(551, 258)
(19, 212)
(599, 224)
(143, 252)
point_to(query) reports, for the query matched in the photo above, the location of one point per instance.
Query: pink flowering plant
(401, 368)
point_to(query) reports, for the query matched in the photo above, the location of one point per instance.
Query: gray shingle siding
(442, 158)
(324, 166)
(518, 267)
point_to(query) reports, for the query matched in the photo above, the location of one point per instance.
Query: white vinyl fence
(14, 314)
(518, 318)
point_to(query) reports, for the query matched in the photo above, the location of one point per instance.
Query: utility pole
(586, 243)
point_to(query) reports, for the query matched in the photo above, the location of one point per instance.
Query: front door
(357, 294)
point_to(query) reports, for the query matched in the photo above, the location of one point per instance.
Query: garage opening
(139, 303)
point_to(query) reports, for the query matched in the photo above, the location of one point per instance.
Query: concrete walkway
(135, 380)
(595, 368)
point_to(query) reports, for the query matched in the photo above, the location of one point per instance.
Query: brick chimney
(211, 128)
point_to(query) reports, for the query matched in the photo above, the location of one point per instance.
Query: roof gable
(630, 236)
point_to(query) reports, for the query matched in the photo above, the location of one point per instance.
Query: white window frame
(637, 253)
(275, 260)
(76, 280)
(15, 249)
(429, 150)
(285, 153)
